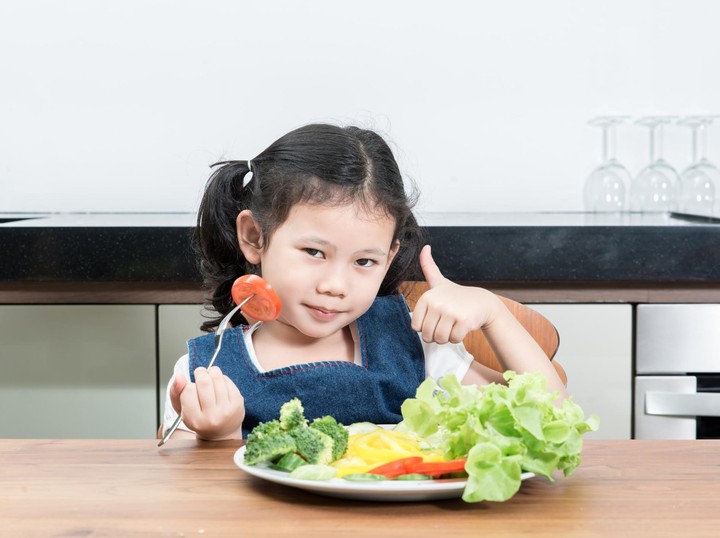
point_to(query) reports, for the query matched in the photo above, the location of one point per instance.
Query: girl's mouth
(322, 314)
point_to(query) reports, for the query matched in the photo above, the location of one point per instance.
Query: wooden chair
(539, 327)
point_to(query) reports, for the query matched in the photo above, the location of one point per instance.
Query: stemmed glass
(656, 187)
(606, 187)
(700, 180)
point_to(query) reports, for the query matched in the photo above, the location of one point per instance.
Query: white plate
(384, 490)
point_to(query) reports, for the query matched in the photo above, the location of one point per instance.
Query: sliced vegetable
(396, 468)
(350, 465)
(378, 446)
(361, 427)
(364, 477)
(265, 304)
(314, 472)
(416, 465)
(414, 476)
(289, 462)
(437, 468)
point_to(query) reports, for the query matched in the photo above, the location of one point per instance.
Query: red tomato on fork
(265, 304)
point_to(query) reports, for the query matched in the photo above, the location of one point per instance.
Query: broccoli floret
(267, 442)
(322, 442)
(336, 431)
(267, 447)
(313, 445)
(266, 428)
(292, 415)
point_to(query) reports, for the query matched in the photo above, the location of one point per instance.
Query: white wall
(121, 106)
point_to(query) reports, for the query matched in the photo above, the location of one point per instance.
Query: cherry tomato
(264, 306)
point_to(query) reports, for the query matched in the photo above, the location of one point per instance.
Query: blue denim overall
(393, 365)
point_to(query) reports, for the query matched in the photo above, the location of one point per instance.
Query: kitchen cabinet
(596, 353)
(74, 371)
(586, 272)
(102, 370)
(176, 325)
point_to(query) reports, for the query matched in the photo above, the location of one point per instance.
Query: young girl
(323, 216)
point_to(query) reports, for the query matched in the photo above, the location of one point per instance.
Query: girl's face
(327, 264)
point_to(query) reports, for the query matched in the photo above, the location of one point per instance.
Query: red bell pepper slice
(437, 468)
(416, 465)
(395, 468)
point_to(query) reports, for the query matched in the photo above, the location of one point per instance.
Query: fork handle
(218, 345)
(170, 430)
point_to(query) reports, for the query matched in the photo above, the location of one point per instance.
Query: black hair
(317, 164)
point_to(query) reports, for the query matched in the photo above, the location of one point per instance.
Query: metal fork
(218, 344)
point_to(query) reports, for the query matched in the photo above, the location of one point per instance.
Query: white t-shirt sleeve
(182, 367)
(444, 359)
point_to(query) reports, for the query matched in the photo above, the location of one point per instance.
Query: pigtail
(221, 260)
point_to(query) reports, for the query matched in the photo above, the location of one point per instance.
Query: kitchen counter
(87, 487)
(500, 250)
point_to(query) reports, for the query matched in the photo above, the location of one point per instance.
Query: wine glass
(656, 187)
(700, 180)
(606, 187)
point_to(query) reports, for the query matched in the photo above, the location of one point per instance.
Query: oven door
(677, 407)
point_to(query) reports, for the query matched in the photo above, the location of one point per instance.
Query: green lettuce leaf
(503, 430)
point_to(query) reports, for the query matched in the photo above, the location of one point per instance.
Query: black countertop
(468, 247)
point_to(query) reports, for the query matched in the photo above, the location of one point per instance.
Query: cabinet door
(596, 352)
(176, 325)
(77, 371)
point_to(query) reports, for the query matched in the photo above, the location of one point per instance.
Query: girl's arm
(514, 348)
(447, 312)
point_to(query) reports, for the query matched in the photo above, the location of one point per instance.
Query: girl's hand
(447, 312)
(212, 406)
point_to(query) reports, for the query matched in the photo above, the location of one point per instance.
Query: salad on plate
(491, 437)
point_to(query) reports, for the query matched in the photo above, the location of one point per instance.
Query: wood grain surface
(193, 489)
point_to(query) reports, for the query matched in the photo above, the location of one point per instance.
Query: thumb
(178, 384)
(432, 273)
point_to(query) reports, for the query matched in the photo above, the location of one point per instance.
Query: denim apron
(393, 365)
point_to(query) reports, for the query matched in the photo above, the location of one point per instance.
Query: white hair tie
(248, 177)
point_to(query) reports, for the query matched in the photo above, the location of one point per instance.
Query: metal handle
(682, 404)
(170, 431)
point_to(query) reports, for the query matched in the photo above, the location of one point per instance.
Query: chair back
(537, 325)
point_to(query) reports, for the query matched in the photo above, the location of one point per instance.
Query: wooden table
(192, 489)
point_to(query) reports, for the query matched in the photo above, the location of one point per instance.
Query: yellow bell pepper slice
(368, 450)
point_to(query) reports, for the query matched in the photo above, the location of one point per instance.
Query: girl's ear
(249, 236)
(393, 251)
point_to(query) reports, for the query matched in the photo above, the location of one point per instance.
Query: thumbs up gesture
(447, 312)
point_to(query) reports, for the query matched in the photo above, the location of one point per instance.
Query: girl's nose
(333, 282)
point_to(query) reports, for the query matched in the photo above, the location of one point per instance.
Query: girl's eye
(315, 253)
(366, 262)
